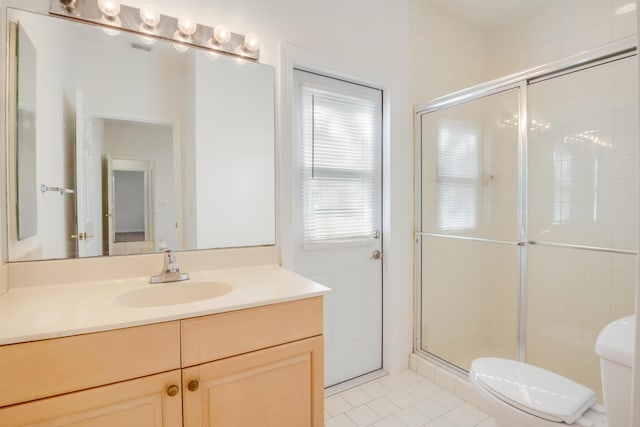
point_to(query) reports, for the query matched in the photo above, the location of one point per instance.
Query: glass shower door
(583, 214)
(470, 257)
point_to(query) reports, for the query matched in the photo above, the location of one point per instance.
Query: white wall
(107, 85)
(234, 153)
(555, 31)
(189, 213)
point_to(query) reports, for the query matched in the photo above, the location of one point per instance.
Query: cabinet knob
(172, 390)
(193, 385)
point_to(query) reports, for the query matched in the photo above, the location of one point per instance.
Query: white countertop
(42, 312)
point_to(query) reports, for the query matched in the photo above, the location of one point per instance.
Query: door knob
(376, 255)
(82, 236)
(193, 385)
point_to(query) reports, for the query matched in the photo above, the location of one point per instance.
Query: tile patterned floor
(405, 399)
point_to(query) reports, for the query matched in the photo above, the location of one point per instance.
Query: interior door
(87, 186)
(131, 206)
(337, 219)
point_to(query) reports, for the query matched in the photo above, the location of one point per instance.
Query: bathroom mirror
(137, 142)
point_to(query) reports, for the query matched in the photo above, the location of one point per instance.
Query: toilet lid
(534, 390)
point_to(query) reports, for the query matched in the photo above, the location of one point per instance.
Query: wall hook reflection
(44, 188)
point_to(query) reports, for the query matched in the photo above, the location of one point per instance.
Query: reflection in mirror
(25, 135)
(131, 222)
(193, 132)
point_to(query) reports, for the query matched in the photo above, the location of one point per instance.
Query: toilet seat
(533, 390)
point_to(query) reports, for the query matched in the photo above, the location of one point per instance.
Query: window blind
(339, 165)
(457, 166)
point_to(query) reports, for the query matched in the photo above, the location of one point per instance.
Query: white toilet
(522, 395)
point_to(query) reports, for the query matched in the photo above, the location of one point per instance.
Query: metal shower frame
(620, 49)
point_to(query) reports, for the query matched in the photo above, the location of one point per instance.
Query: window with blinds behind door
(339, 165)
(457, 175)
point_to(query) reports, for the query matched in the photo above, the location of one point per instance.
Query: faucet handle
(170, 270)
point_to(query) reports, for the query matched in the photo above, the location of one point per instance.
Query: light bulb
(113, 21)
(111, 32)
(251, 42)
(179, 36)
(110, 8)
(150, 16)
(180, 47)
(221, 34)
(147, 40)
(187, 25)
(212, 55)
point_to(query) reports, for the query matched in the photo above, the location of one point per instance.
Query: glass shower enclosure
(527, 207)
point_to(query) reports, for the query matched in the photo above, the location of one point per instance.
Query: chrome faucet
(170, 271)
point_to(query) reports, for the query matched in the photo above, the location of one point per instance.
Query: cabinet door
(280, 386)
(135, 403)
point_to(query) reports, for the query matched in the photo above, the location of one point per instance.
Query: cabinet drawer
(45, 368)
(209, 338)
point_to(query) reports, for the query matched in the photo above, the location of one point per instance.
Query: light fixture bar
(129, 20)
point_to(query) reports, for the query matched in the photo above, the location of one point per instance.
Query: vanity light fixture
(70, 5)
(150, 25)
(250, 43)
(187, 25)
(109, 8)
(221, 34)
(186, 28)
(150, 18)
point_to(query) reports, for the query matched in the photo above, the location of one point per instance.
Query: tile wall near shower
(583, 171)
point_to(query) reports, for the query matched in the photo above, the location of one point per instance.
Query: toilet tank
(615, 346)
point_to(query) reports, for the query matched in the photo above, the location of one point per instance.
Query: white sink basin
(172, 293)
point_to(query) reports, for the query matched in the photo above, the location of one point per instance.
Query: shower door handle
(376, 255)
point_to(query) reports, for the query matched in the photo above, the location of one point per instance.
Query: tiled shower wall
(557, 30)
(449, 52)
(583, 171)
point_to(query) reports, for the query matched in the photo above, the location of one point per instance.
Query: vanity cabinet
(257, 366)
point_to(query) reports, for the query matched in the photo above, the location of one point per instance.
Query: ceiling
(489, 13)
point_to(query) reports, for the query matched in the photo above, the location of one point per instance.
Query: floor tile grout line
(399, 383)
